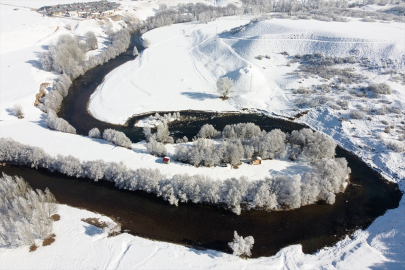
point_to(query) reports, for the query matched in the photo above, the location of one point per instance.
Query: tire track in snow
(314, 40)
(193, 60)
(146, 260)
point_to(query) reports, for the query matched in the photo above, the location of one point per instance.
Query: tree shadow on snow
(199, 95)
(36, 63)
(42, 121)
(296, 168)
(10, 111)
(91, 230)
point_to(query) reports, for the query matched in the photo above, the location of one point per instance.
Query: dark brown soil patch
(95, 222)
(55, 217)
(33, 247)
(49, 240)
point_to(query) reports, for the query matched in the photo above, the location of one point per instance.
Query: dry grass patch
(55, 217)
(41, 93)
(49, 240)
(33, 247)
(95, 222)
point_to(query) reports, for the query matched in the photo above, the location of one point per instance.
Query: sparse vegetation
(225, 87)
(18, 111)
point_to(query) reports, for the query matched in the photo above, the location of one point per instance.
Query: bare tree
(91, 41)
(242, 246)
(18, 111)
(225, 87)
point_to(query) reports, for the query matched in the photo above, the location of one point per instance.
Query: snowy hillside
(186, 77)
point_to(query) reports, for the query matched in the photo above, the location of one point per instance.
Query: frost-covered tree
(146, 43)
(207, 131)
(147, 132)
(59, 124)
(94, 133)
(242, 246)
(314, 145)
(135, 51)
(46, 60)
(225, 86)
(91, 40)
(117, 137)
(163, 133)
(156, 148)
(25, 214)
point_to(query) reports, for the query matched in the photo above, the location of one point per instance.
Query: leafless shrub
(18, 111)
(379, 89)
(343, 103)
(357, 114)
(395, 145)
(324, 88)
(383, 110)
(387, 129)
(260, 57)
(333, 106)
(302, 90)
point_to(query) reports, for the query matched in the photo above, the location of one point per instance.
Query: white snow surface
(25, 33)
(79, 245)
(180, 69)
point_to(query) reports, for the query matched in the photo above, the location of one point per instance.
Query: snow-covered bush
(156, 148)
(135, 51)
(117, 138)
(25, 215)
(91, 40)
(18, 111)
(240, 131)
(146, 43)
(112, 229)
(94, 133)
(379, 89)
(59, 124)
(396, 146)
(225, 86)
(242, 246)
(207, 131)
(357, 114)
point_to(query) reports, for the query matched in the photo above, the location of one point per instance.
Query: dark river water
(203, 226)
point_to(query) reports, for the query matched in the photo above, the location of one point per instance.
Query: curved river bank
(202, 226)
(313, 226)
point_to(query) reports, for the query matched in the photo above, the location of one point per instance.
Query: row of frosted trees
(279, 192)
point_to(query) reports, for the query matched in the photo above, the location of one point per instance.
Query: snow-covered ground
(186, 77)
(178, 72)
(79, 245)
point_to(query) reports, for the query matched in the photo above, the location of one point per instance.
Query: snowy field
(79, 245)
(185, 78)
